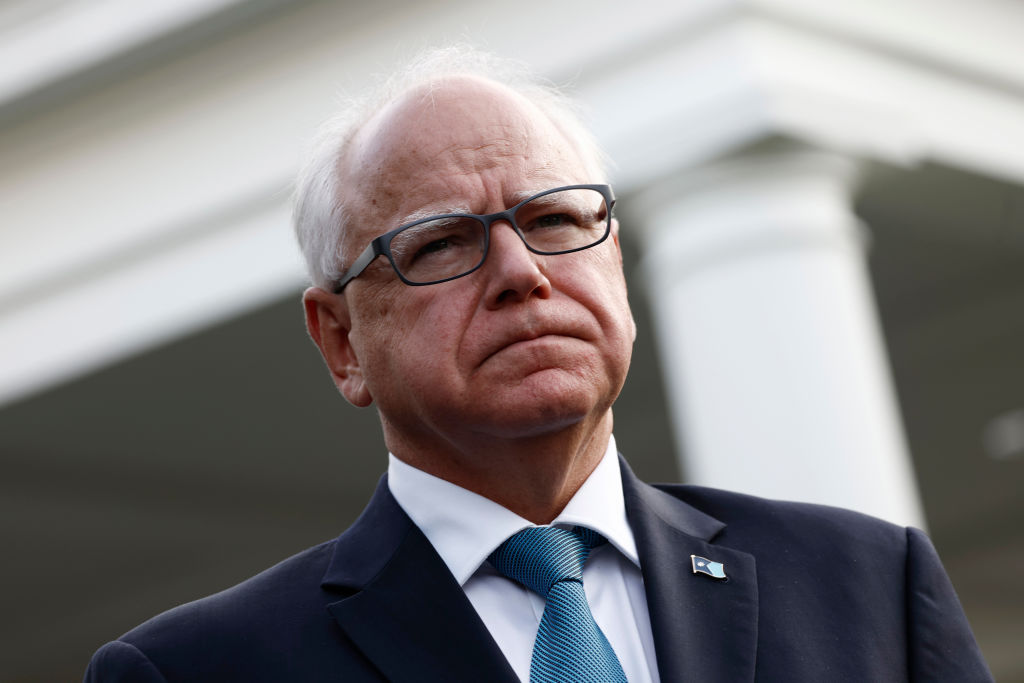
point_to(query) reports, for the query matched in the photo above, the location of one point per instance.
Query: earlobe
(329, 324)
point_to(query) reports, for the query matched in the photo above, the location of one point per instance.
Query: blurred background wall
(823, 225)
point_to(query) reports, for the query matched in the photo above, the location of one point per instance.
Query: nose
(514, 273)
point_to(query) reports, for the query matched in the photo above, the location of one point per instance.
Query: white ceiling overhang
(153, 201)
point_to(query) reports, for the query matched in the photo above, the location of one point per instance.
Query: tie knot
(541, 556)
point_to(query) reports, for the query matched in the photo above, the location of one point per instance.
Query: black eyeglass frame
(381, 245)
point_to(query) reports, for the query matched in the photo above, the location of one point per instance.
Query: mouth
(524, 338)
(528, 339)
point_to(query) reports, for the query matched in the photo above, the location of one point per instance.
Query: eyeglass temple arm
(359, 265)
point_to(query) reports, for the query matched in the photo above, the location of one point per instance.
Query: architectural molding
(107, 174)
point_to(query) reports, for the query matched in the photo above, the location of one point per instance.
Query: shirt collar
(467, 527)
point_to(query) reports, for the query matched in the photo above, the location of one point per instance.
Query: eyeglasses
(441, 248)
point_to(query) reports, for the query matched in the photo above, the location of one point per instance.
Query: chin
(541, 407)
(531, 428)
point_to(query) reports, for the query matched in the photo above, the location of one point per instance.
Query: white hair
(320, 218)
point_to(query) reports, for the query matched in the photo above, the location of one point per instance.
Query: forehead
(460, 143)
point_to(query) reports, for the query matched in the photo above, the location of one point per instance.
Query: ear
(329, 324)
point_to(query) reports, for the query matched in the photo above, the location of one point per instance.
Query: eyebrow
(427, 213)
(517, 197)
(523, 195)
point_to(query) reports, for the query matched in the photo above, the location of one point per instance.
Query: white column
(775, 369)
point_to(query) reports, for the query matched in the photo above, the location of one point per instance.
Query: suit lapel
(705, 629)
(407, 613)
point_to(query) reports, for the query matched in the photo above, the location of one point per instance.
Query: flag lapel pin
(702, 565)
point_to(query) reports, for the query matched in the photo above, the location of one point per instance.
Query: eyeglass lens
(451, 246)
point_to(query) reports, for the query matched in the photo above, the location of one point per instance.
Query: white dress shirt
(465, 528)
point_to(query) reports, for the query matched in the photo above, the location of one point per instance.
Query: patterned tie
(570, 647)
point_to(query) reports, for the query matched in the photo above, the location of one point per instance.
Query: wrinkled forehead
(432, 144)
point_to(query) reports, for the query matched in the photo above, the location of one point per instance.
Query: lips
(527, 332)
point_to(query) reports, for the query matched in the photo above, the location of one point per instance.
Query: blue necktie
(570, 646)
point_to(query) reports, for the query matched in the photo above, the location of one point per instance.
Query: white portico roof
(144, 189)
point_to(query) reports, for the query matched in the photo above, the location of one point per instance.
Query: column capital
(782, 194)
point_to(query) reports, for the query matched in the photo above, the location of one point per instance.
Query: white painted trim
(978, 40)
(153, 168)
(754, 78)
(152, 299)
(65, 38)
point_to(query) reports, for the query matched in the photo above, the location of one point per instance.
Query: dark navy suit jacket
(813, 594)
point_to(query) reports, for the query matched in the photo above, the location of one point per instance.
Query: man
(467, 279)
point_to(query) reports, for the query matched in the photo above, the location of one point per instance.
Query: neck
(534, 477)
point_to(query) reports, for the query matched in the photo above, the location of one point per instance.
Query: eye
(434, 247)
(428, 240)
(553, 220)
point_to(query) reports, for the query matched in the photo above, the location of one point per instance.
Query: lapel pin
(702, 565)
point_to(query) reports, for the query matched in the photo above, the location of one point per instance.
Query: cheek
(609, 303)
(625, 312)
(373, 335)
(403, 338)
(428, 344)
(606, 292)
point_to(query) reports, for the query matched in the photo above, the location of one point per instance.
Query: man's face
(527, 344)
